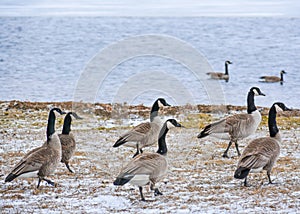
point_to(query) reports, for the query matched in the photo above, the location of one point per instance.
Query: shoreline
(107, 109)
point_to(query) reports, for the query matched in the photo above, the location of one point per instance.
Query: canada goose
(274, 78)
(263, 152)
(41, 161)
(67, 140)
(219, 75)
(148, 167)
(236, 126)
(144, 134)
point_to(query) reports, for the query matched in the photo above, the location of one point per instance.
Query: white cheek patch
(170, 125)
(255, 92)
(278, 109)
(160, 104)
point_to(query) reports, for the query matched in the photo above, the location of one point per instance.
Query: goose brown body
(144, 134)
(237, 126)
(42, 161)
(67, 139)
(220, 75)
(270, 79)
(148, 168)
(262, 153)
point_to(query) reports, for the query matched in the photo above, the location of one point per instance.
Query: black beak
(179, 125)
(76, 116)
(288, 109)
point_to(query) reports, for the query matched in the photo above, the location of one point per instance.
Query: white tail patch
(140, 180)
(130, 144)
(278, 109)
(256, 170)
(29, 175)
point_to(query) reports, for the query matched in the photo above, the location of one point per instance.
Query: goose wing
(143, 168)
(238, 123)
(30, 163)
(228, 125)
(215, 75)
(258, 153)
(136, 134)
(270, 78)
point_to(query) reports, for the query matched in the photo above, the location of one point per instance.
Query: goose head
(58, 110)
(75, 115)
(162, 102)
(282, 72)
(256, 91)
(228, 62)
(280, 107)
(172, 123)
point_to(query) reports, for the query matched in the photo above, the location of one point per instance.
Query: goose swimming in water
(219, 75)
(270, 79)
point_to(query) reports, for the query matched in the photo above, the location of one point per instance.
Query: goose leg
(237, 148)
(137, 151)
(67, 165)
(38, 186)
(156, 190)
(269, 177)
(225, 155)
(49, 182)
(245, 183)
(141, 192)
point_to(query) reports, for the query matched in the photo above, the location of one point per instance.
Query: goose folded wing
(143, 164)
(137, 132)
(32, 162)
(235, 122)
(257, 154)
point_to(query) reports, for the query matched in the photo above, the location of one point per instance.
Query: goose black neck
(162, 146)
(281, 77)
(154, 110)
(67, 124)
(226, 68)
(273, 129)
(250, 103)
(50, 125)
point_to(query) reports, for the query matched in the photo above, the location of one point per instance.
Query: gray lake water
(42, 59)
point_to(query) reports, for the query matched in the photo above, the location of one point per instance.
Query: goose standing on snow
(68, 144)
(219, 75)
(144, 134)
(262, 153)
(148, 167)
(236, 126)
(42, 161)
(274, 78)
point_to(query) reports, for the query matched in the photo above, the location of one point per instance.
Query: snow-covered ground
(199, 179)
